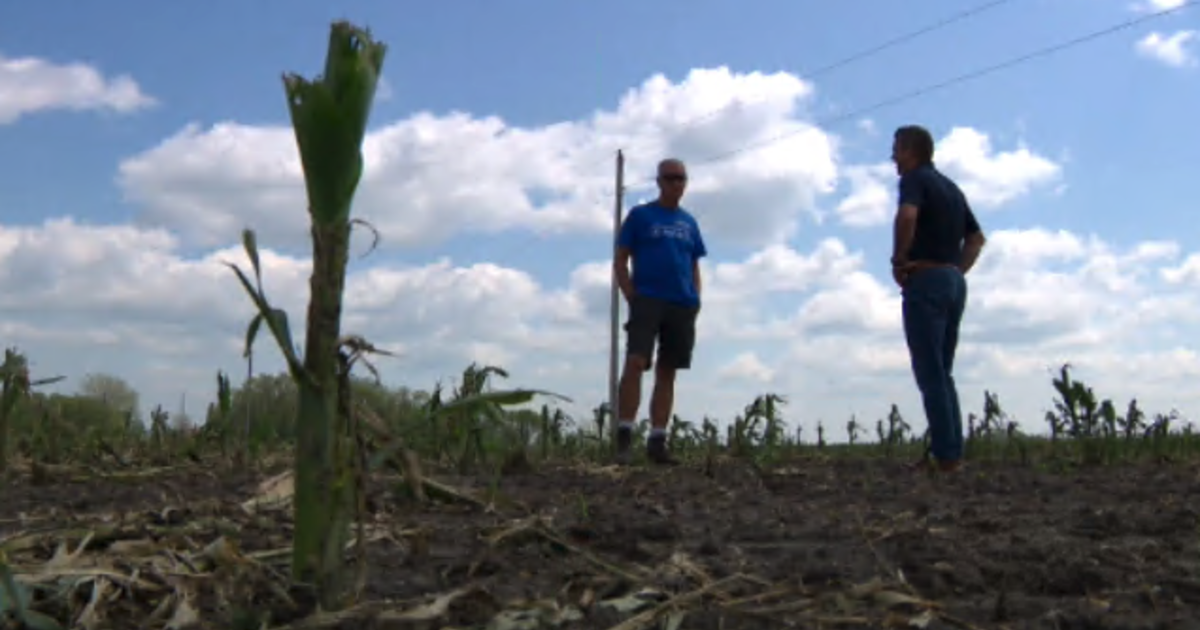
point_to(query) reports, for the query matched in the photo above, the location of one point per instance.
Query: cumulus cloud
(815, 322)
(989, 178)
(30, 84)
(871, 198)
(1160, 5)
(1173, 50)
(429, 177)
(749, 367)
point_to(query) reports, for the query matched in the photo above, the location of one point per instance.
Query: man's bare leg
(662, 400)
(629, 398)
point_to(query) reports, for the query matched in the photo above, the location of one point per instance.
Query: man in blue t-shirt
(663, 293)
(937, 240)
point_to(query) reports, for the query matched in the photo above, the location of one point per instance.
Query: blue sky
(1118, 124)
(535, 63)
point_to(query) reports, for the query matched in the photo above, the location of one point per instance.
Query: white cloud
(814, 325)
(1173, 50)
(1160, 5)
(871, 199)
(429, 177)
(749, 367)
(812, 322)
(29, 84)
(989, 178)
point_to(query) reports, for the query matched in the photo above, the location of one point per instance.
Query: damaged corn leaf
(635, 602)
(545, 616)
(91, 616)
(273, 493)
(185, 615)
(435, 609)
(276, 319)
(877, 592)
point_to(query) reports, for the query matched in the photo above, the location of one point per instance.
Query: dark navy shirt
(664, 243)
(944, 218)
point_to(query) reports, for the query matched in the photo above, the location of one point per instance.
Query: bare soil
(846, 544)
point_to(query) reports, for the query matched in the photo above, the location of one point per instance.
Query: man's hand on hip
(900, 273)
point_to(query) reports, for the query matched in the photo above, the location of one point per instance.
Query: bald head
(672, 180)
(671, 166)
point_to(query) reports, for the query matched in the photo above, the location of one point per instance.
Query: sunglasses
(673, 178)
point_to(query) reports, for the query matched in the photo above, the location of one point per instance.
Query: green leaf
(14, 598)
(490, 401)
(255, 294)
(250, 244)
(330, 116)
(252, 334)
(502, 398)
(277, 323)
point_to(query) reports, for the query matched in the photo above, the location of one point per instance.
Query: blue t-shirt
(664, 243)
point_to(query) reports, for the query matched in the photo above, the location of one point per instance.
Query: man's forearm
(970, 253)
(624, 282)
(904, 231)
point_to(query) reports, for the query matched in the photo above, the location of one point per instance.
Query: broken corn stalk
(329, 116)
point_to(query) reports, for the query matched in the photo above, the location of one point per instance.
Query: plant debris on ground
(815, 542)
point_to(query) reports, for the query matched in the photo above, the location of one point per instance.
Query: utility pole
(615, 297)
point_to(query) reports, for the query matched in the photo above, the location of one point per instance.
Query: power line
(829, 68)
(863, 54)
(601, 195)
(907, 36)
(962, 78)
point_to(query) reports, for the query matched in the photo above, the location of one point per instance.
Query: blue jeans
(934, 300)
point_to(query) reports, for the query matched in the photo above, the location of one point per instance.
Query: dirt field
(817, 544)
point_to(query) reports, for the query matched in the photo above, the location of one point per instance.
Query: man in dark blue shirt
(937, 240)
(663, 294)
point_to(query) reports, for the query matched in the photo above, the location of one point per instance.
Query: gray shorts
(672, 326)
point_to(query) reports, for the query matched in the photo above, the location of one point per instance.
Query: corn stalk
(14, 374)
(329, 116)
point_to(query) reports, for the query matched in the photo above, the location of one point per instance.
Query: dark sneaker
(624, 444)
(656, 451)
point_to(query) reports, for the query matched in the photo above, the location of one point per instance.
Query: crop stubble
(844, 544)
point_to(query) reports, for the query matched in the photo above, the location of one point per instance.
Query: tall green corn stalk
(329, 116)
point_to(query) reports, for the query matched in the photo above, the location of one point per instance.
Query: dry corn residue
(814, 543)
